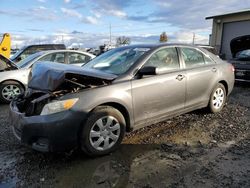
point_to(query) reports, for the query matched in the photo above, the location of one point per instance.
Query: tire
(103, 131)
(10, 86)
(217, 98)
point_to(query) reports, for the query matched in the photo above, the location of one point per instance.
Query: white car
(14, 77)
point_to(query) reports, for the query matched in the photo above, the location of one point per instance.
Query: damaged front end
(50, 81)
(43, 118)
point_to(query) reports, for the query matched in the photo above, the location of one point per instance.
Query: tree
(122, 40)
(163, 37)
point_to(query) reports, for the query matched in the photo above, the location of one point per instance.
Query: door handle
(214, 69)
(180, 77)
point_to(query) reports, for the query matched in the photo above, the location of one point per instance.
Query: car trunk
(242, 65)
(239, 44)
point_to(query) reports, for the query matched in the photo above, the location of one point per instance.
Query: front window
(166, 59)
(116, 61)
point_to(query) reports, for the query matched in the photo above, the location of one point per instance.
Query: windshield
(243, 55)
(116, 61)
(25, 62)
(17, 53)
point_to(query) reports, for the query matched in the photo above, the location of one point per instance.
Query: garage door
(231, 31)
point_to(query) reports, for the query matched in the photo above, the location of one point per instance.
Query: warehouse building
(230, 31)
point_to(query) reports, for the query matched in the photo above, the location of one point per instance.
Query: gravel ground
(191, 150)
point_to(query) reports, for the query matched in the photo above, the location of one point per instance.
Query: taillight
(232, 68)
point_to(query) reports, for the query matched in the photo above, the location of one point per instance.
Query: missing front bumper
(54, 132)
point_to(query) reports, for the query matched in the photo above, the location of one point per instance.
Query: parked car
(121, 90)
(14, 79)
(240, 48)
(31, 49)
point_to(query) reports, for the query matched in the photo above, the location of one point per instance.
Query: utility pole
(193, 38)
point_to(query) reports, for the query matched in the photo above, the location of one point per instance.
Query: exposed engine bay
(50, 83)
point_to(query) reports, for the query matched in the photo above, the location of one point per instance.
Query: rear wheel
(103, 131)
(9, 90)
(217, 98)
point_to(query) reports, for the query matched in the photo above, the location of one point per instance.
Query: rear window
(192, 57)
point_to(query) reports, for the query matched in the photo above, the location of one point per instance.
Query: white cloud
(164, 4)
(111, 7)
(187, 37)
(74, 13)
(96, 14)
(188, 14)
(71, 12)
(84, 39)
(39, 13)
(117, 13)
(67, 1)
(90, 20)
(42, 1)
(42, 8)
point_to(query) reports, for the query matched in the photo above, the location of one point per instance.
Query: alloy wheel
(9, 92)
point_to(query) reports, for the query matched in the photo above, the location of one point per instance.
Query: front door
(159, 95)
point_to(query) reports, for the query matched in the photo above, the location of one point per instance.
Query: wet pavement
(192, 150)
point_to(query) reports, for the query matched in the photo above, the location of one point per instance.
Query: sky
(88, 23)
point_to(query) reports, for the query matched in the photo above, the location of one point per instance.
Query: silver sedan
(121, 90)
(14, 79)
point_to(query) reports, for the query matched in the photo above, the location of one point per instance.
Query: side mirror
(149, 70)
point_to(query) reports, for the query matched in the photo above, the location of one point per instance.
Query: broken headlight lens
(58, 106)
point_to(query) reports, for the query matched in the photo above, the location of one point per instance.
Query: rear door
(58, 57)
(156, 96)
(201, 72)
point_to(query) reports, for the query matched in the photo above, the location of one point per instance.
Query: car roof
(58, 51)
(157, 45)
(44, 45)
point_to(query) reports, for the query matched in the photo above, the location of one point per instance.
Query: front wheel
(9, 90)
(103, 131)
(217, 98)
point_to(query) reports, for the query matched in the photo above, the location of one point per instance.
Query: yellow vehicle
(5, 45)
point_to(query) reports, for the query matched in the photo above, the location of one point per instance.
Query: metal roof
(229, 13)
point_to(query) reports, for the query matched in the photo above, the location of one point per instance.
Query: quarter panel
(200, 82)
(20, 75)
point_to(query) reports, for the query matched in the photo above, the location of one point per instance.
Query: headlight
(58, 106)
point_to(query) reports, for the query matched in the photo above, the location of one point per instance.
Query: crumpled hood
(239, 44)
(48, 76)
